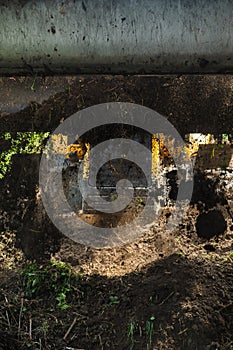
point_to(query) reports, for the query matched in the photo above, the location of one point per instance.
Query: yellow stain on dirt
(86, 166)
(163, 149)
(79, 149)
(155, 156)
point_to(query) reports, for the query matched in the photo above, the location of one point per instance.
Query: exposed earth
(170, 291)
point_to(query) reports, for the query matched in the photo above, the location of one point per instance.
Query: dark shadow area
(205, 193)
(172, 302)
(211, 224)
(23, 212)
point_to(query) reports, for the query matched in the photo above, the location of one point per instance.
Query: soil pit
(162, 291)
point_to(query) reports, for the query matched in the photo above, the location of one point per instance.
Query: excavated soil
(163, 291)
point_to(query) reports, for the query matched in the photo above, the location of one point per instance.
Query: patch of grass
(53, 279)
(142, 330)
(24, 143)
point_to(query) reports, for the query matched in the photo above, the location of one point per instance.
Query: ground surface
(162, 291)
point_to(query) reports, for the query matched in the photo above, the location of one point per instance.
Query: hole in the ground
(211, 224)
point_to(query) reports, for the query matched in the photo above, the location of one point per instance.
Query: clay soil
(168, 291)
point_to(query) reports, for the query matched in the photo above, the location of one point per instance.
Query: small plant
(33, 279)
(140, 201)
(33, 83)
(114, 299)
(53, 278)
(213, 152)
(61, 299)
(149, 330)
(45, 328)
(68, 88)
(131, 333)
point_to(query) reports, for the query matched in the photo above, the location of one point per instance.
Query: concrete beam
(108, 36)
